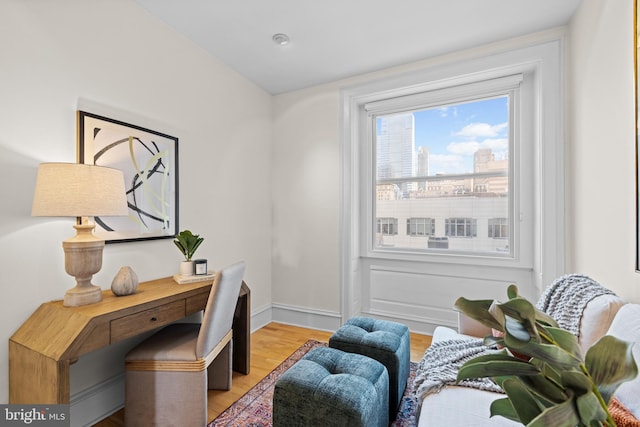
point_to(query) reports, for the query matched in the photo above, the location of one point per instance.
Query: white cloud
(468, 148)
(460, 154)
(447, 163)
(477, 130)
(496, 144)
(448, 111)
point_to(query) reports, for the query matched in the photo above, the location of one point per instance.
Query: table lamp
(81, 191)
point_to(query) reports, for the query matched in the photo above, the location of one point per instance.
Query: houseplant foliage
(188, 243)
(549, 382)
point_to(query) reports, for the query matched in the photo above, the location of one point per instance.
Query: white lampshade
(78, 190)
(73, 189)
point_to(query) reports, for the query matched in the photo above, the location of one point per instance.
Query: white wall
(601, 157)
(306, 196)
(113, 58)
(600, 193)
(308, 122)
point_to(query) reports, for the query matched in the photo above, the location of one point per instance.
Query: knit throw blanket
(564, 300)
(440, 364)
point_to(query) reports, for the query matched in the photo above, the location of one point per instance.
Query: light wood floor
(270, 346)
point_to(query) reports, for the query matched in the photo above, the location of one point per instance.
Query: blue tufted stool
(382, 340)
(331, 388)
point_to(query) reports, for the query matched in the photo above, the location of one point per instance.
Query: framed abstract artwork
(149, 162)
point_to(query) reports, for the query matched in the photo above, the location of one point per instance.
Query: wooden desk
(43, 348)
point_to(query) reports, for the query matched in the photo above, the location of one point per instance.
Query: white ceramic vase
(187, 268)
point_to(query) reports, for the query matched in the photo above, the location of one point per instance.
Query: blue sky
(454, 133)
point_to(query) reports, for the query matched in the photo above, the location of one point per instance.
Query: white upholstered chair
(168, 374)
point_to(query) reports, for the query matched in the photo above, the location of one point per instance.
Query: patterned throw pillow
(621, 415)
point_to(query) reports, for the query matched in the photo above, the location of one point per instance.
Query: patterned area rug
(254, 408)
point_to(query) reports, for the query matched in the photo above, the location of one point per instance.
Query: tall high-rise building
(395, 149)
(422, 166)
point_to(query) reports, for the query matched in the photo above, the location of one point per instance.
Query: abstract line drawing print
(148, 161)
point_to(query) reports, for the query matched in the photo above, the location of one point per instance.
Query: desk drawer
(197, 303)
(143, 321)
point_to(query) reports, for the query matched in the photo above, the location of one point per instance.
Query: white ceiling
(334, 39)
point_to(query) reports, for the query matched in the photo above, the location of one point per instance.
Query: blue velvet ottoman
(331, 388)
(382, 340)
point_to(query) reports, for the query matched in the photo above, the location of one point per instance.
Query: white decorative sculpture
(125, 282)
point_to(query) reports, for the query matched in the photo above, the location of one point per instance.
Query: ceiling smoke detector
(280, 39)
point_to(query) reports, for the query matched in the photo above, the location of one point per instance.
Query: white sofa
(464, 406)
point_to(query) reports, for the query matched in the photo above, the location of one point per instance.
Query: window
(387, 226)
(460, 227)
(421, 227)
(444, 162)
(498, 228)
(375, 267)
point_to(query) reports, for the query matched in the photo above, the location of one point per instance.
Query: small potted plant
(187, 243)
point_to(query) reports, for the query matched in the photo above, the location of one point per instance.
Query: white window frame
(542, 58)
(455, 92)
(519, 86)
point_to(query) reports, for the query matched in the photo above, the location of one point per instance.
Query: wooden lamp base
(83, 259)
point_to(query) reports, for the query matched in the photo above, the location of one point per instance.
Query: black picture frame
(149, 162)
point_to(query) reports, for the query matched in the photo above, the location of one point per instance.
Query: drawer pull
(153, 319)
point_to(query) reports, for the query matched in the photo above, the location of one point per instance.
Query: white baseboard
(309, 318)
(330, 321)
(97, 402)
(260, 317)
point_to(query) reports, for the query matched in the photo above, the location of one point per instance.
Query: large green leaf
(495, 365)
(517, 330)
(565, 339)
(548, 353)
(504, 408)
(547, 389)
(562, 415)
(498, 315)
(610, 362)
(523, 312)
(512, 292)
(478, 310)
(577, 381)
(549, 372)
(491, 341)
(524, 403)
(590, 409)
(545, 319)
